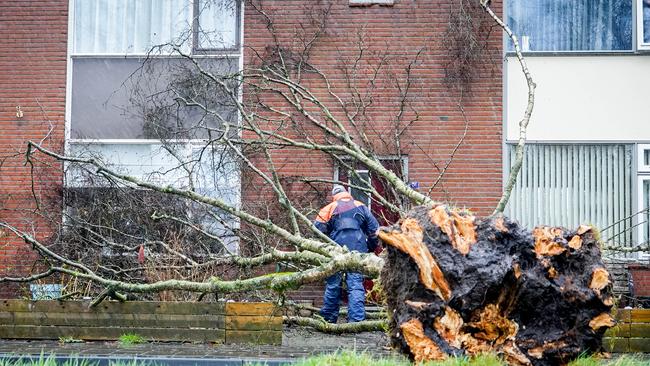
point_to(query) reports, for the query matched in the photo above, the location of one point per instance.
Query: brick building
(64, 59)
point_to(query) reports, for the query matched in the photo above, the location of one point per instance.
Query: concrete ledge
(171, 361)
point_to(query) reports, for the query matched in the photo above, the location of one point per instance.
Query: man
(349, 223)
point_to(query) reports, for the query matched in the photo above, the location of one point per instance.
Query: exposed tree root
(536, 298)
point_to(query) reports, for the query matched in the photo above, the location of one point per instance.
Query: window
(134, 96)
(643, 158)
(643, 24)
(361, 178)
(212, 170)
(134, 26)
(582, 25)
(126, 82)
(570, 185)
(358, 182)
(371, 2)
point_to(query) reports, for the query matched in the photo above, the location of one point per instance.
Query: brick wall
(33, 77)
(397, 33)
(410, 30)
(640, 274)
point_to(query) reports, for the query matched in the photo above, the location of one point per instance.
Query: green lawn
(355, 359)
(347, 358)
(50, 361)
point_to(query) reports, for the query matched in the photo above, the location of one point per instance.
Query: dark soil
(550, 293)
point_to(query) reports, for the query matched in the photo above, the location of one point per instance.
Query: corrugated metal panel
(568, 185)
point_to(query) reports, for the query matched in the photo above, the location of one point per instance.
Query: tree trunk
(464, 285)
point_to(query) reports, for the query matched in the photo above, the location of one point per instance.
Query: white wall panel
(597, 98)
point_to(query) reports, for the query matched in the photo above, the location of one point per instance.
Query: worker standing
(351, 224)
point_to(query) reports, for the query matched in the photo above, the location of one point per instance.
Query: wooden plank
(616, 345)
(141, 307)
(111, 333)
(622, 330)
(640, 330)
(639, 345)
(259, 322)
(114, 320)
(251, 308)
(254, 337)
(640, 316)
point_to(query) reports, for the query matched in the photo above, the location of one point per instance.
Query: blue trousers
(356, 297)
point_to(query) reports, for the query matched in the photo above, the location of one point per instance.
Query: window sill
(364, 3)
(579, 53)
(229, 54)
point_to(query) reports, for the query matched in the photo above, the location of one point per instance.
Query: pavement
(297, 343)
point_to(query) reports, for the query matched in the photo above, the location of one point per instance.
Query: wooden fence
(631, 334)
(230, 322)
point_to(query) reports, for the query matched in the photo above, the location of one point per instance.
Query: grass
(51, 361)
(64, 340)
(619, 361)
(129, 339)
(348, 358)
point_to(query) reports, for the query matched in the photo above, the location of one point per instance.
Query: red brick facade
(33, 63)
(640, 274)
(398, 33)
(33, 78)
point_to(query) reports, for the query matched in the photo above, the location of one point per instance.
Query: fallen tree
(454, 284)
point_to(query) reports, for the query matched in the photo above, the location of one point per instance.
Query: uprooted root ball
(463, 285)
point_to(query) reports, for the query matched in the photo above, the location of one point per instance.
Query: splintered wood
(491, 286)
(548, 241)
(459, 229)
(599, 279)
(423, 348)
(602, 320)
(409, 240)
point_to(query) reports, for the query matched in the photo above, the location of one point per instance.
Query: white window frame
(638, 222)
(207, 53)
(642, 167)
(638, 31)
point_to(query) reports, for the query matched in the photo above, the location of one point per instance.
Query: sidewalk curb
(171, 361)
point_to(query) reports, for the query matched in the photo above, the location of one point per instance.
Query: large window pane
(580, 25)
(130, 26)
(217, 26)
(135, 26)
(211, 170)
(570, 185)
(207, 169)
(114, 98)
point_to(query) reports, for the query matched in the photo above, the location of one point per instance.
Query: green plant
(69, 339)
(44, 360)
(130, 339)
(350, 358)
(618, 361)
